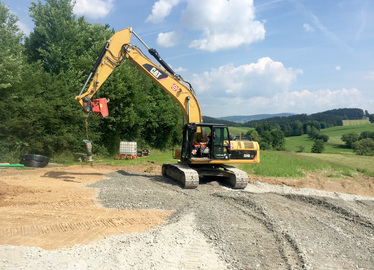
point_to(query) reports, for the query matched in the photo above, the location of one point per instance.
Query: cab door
(221, 143)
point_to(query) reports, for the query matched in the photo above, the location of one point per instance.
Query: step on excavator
(206, 149)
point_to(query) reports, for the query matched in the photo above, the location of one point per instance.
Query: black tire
(39, 158)
(37, 161)
(34, 163)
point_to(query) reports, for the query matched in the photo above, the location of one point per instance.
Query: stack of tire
(32, 160)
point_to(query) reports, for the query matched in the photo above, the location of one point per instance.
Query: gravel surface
(214, 227)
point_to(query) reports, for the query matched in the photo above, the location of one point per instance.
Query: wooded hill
(293, 125)
(296, 125)
(241, 119)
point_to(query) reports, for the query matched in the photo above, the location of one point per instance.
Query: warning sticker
(174, 87)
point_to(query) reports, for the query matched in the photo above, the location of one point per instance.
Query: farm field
(236, 131)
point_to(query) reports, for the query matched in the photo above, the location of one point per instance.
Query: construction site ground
(130, 217)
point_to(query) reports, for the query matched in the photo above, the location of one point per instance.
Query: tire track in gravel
(289, 249)
(256, 231)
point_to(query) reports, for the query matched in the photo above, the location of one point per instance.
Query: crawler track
(189, 176)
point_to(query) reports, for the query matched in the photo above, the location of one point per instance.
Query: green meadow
(292, 162)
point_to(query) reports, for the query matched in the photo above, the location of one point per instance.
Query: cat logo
(155, 72)
(158, 74)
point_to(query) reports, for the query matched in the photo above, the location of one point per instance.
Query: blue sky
(247, 57)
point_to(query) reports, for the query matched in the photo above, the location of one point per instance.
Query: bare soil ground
(130, 217)
(50, 208)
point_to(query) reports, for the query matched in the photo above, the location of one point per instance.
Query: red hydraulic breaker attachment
(99, 106)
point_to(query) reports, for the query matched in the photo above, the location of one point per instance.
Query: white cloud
(161, 9)
(308, 28)
(180, 69)
(264, 78)
(169, 39)
(324, 99)
(223, 24)
(303, 101)
(264, 87)
(94, 9)
(338, 68)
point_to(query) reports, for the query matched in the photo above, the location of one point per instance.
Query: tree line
(296, 125)
(362, 144)
(43, 72)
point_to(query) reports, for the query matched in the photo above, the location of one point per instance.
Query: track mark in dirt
(65, 227)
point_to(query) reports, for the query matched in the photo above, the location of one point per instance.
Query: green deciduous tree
(60, 40)
(297, 128)
(11, 57)
(252, 134)
(266, 140)
(318, 146)
(366, 134)
(349, 138)
(371, 118)
(278, 139)
(364, 147)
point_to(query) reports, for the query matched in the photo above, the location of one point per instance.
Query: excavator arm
(114, 52)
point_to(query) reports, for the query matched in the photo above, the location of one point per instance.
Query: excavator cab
(205, 142)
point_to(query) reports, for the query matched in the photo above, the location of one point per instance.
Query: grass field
(283, 164)
(290, 164)
(334, 145)
(355, 122)
(237, 130)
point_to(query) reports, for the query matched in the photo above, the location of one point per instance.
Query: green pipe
(11, 165)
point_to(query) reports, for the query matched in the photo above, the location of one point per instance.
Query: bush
(318, 146)
(364, 147)
(366, 134)
(349, 138)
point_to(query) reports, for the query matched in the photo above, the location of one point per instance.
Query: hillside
(246, 118)
(334, 145)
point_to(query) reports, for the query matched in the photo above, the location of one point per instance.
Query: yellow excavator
(206, 147)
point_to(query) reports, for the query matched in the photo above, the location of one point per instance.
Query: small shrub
(301, 148)
(318, 146)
